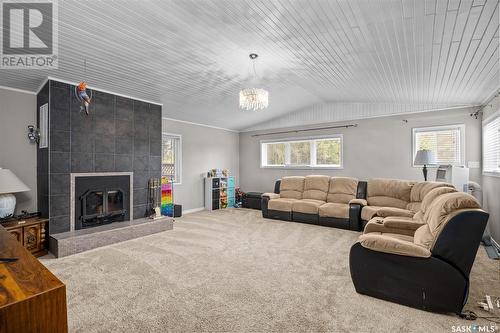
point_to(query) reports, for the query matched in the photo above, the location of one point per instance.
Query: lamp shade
(424, 157)
(9, 183)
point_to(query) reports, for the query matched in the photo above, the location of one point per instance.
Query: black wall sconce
(33, 134)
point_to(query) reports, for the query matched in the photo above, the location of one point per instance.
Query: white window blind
(312, 152)
(171, 157)
(491, 145)
(446, 142)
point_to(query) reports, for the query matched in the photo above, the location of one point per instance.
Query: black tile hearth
(119, 135)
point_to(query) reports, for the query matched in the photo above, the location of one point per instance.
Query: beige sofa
(394, 197)
(314, 199)
(345, 202)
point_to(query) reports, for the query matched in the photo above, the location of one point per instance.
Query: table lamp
(424, 157)
(9, 183)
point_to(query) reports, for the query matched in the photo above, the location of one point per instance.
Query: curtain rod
(309, 129)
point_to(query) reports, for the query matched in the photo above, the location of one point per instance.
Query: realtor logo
(29, 34)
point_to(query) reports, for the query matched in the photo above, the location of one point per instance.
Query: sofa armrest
(393, 211)
(379, 224)
(263, 206)
(403, 224)
(361, 202)
(271, 195)
(355, 217)
(277, 186)
(386, 244)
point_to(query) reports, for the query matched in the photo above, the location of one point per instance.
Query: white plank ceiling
(192, 55)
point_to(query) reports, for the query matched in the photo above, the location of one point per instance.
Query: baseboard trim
(194, 210)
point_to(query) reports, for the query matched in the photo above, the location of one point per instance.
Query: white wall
(378, 147)
(203, 148)
(491, 184)
(17, 111)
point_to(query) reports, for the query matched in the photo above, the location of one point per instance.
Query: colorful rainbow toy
(167, 198)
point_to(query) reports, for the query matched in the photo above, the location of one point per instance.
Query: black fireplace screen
(101, 207)
(101, 200)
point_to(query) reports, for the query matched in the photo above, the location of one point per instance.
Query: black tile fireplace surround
(101, 200)
(119, 135)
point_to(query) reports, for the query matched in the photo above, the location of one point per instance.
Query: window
(491, 145)
(446, 142)
(316, 152)
(171, 157)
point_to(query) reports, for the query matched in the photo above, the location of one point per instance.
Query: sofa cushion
(281, 204)
(420, 189)
(444, 206)
(307, 206)
(423, 236)
(316, 187)
(388, 192)
(432, 195)
(292, 187)
(333, 209)
(368, 212)
(342, 189)
(414, 206)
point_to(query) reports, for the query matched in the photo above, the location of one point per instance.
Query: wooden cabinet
(32, 299)
(31, 233)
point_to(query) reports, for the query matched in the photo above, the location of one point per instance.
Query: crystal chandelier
(254, 98)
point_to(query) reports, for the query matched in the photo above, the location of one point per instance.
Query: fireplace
(101, 206)
(100, 199)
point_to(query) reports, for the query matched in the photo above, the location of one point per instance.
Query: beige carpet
(234, 271)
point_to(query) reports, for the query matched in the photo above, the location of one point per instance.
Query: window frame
(312, 141)
(179, 157)
(488, 120)
(415, 130)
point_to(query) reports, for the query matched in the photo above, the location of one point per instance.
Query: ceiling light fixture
(254, 98)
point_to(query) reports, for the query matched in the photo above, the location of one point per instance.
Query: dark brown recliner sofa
(315, 199)
(428, 268)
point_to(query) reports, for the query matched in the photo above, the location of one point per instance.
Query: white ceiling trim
(18, 90)
(199, 124)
